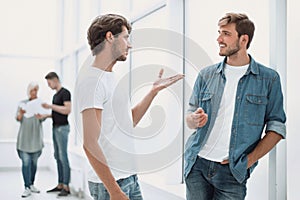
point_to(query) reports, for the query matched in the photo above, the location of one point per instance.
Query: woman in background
(30, 140)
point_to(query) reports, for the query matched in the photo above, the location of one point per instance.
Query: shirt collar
(253, 68)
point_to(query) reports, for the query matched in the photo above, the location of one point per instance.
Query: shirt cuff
(277, 127)
(191, 109)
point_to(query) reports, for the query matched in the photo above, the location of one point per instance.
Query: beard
(117, 53)
(231, 51)
(121, 58)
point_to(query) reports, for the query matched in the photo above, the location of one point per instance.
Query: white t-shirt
(216, 147)
(99, 89)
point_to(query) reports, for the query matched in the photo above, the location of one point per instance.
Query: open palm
(162, 83)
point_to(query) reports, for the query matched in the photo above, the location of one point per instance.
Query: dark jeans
(129, 186)
(213, 181)
(60, 142)
(29, 166)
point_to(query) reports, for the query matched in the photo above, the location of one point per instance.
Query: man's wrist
(153, 93)
(250, 160)
(115, 189)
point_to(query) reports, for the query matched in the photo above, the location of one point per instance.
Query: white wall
(293, 99)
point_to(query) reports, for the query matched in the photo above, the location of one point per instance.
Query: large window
(27, 53)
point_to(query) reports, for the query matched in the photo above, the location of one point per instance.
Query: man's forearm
(140, 109)
(98, 162)
(65, 110)
(263, 147)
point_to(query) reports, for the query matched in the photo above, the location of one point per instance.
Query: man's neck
(104, 62)
(58, 87)
(238, 59)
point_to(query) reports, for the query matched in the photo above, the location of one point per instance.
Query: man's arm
(140, 109)
(65, 109)
(275, 126)
(196, 119)
(263, 147)
(91, 132)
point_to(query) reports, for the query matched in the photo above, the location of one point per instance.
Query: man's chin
(122, 58)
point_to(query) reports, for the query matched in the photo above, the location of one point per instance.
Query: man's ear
(109, 36)
(245, 39)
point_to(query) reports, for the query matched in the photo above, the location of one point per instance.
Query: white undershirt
(216, 147)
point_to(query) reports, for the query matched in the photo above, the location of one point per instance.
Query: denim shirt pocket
(255, 109)
(205, 100)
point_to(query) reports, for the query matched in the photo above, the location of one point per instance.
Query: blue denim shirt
(258, 105)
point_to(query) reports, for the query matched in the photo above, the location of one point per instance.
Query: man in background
(61, 108)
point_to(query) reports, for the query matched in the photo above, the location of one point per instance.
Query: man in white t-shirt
(107, 117)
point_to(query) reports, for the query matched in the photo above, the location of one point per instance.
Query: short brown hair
(103, 24)
(51, 76)
(244, 26)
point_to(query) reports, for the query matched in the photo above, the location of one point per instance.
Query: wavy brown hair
(103, 24)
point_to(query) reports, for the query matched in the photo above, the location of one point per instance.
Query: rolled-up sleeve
(277, 127)
(275, 116)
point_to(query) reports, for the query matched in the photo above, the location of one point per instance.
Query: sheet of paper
(34, 107)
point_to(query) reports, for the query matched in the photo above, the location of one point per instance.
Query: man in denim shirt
(232, 104)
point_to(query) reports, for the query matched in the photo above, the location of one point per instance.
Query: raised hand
(162, 83)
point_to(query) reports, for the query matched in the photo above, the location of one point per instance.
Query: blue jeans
(129, 186)
(60, 142)
(213, 181)
(29, 165)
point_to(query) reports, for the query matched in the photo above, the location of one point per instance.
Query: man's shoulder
(210, 69)
(65, 91)
(266, 71)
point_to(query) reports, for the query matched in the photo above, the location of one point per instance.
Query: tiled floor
(11, 188)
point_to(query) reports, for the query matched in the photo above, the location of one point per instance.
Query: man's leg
(226, 186)
(131, 187)
(55, 135)
(62, 143)
(98, 191)
(197, 187)
(56, 153)
(128, 185)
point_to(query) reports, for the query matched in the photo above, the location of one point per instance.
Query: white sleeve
(91, 94)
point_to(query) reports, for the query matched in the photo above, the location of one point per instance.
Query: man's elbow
(67, 111)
